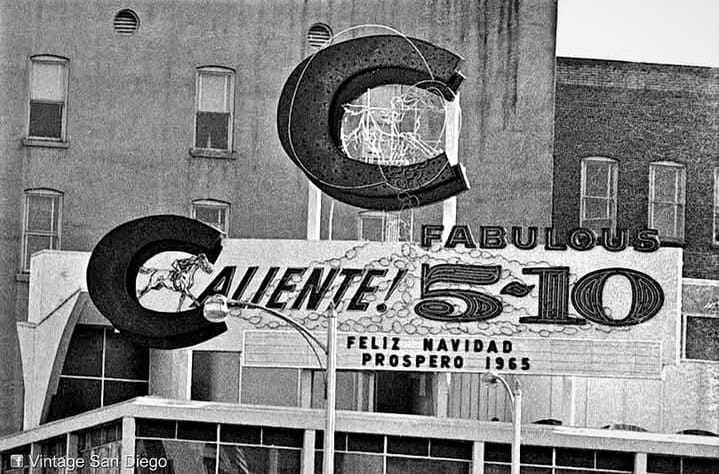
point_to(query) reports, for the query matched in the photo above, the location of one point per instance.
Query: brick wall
(637, 114)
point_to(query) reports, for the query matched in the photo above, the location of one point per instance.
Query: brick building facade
(642, 126)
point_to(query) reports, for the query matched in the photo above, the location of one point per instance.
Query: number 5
(480, 306)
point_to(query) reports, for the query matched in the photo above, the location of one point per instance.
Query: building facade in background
(116, 112)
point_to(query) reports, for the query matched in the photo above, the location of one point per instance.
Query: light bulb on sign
(215, 309)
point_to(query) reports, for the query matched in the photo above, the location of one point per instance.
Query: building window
(212, 212)
(360, 452)
(381, 226)
(599, 194)
(16, 461)
(43, 221)
(214, 107)
(666, 200)
(101, 368)
(664, 464)
(101, 444)
(48, 98)
(195, 447)
(545, 459)
(716, 206)
(701, 337)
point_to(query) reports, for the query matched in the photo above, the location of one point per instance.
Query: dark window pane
(700, 466)
(120, 391)
(212, 130)
(497, 469)
(54, 447)
(84, 354)
(497, 452)
(663, 464)
(155, 428)
(536, 455)
(240, 434)
(620, 461)
(241, 460)
(23, 451)
(444, 448)
(45, 120)
(74, 396)
(407, 445)
(99, 436)
(576, 471)
(404, 392)
(123, 359)
(42, 213)
(352, 463)
(215, 376)
(575, 457)
(535, 470)
(397, 465)
(182, 457)
(196, 431)
(365, 442)
(282, 437)
(702, 340)
(340, 440)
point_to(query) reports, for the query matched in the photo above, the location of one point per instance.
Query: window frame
(214, 204)
(611, 196)
(57, 206)
(715, 227)
(230, 101)
(685, 325)
(681, 175)
(65, 64)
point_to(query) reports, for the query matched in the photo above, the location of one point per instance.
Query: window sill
(45, 143)
(22, 277)
(218, 154)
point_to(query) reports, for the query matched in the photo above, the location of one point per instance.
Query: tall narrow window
(211, 212)
(716, 207)
(380, 226)
(48, 97)
(599, 194)
(214, 106)
(666, 199)
(43, 220)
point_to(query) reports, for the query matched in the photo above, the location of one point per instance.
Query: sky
(654, 31)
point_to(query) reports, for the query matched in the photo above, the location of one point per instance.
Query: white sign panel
(568, 311)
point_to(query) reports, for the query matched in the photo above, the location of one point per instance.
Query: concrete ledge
(216, 154)
(45, 143)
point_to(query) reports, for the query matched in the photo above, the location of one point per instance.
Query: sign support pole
(516, 426)
(329, 444)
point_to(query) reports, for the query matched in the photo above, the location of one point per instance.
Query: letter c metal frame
(309, 117)
(112, 273)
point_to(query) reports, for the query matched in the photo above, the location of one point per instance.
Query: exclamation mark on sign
(382, 307)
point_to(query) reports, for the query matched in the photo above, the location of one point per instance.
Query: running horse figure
(179, 279)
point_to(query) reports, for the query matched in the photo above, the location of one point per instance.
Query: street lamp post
(515, 395)
(216, 309)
